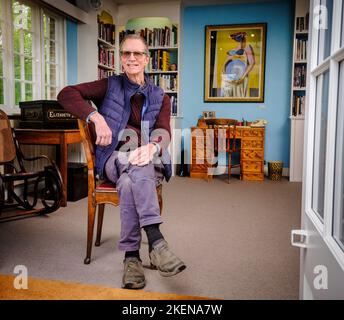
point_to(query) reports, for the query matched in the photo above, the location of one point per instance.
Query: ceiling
(140, 1)
(185, 2)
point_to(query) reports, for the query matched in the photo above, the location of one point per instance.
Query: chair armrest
(42, 156)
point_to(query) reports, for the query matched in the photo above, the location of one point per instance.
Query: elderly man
(133, 131)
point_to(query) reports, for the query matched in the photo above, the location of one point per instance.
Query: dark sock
(135, 253)
(153, 234)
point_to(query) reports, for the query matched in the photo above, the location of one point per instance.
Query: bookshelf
(106, 45)
(298, 89)
(162, 38)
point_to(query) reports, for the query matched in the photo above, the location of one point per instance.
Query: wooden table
(60, 137)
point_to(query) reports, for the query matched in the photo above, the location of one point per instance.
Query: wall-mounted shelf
(106, 44)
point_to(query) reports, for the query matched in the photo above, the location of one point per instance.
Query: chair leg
(210, 168)
(100, 223)
(90, 228)
(209, 175)
(229, 167)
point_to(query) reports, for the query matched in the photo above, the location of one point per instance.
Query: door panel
(322, 249)
(319, 160)
(338, 208)
(342, 42)
(324, 47)
(316, 260)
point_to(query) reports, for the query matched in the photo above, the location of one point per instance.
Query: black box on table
(45, 114)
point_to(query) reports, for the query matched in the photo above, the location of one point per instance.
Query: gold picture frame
(235, 63)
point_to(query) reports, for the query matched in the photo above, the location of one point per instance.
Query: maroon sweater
(73, 99)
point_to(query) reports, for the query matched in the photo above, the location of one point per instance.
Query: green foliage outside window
(1, 91)
(30, 49)
(17, 92)
(22, 45)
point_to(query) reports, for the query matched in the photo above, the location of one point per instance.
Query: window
(320, 144)
(325, 33)
(338, 220)
(23, 40)
(342, 42)
(1, 55)
(51, 47)
(31, 52)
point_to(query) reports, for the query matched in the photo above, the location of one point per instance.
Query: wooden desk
(60, 137)
(251, 154)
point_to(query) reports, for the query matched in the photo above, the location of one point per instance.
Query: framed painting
(235, 63)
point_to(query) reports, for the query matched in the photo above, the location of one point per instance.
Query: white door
(322, 243)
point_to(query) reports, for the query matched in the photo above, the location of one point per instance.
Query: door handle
(302, 243)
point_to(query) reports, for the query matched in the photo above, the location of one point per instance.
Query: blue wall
(278, 15)
(72, 52)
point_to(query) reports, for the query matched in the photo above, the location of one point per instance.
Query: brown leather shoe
(167, 263)
(133, 277)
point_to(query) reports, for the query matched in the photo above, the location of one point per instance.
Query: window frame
(339, 156)
(61, 49)
(38, 88)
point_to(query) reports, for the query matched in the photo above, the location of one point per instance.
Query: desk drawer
(250, 144)
(252, 166)
(257, 133)
(253, 177)
(252, 154)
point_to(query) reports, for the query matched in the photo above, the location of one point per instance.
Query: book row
(302, 23)
(106, 57)
(166, 82)
(102, 73)
(159, 61)
(300, 76)
(298, 105)
(301, 49)
(174, 105)
(156, 37)
(106, 31)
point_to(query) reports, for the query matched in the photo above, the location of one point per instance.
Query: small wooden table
(60, 137)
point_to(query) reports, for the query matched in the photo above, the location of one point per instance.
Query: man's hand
(142, 155)
(104, 133)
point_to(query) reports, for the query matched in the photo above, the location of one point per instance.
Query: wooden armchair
(230, 143)
(45, 184)
(231, 147)
(99, 192)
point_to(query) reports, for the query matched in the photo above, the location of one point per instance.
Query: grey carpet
(234, 238)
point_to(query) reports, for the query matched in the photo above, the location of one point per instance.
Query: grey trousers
(138, 198)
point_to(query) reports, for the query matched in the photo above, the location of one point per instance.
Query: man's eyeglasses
(137, 54)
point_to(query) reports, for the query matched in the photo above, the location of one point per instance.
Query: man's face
(133, 57)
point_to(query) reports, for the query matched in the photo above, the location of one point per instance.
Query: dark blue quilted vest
(116, 111)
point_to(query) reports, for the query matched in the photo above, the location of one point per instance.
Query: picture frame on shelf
(235, 63)
(208, 114)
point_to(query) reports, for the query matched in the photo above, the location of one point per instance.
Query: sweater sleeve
(74, 98)
(162, 130)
